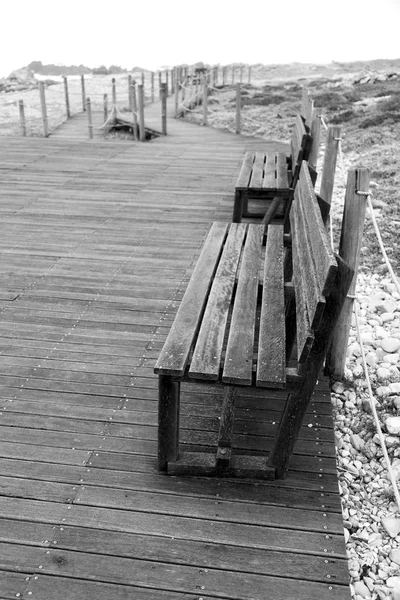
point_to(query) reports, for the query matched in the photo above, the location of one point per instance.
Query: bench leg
(238, 207)
(226, 428)
(288, 431)
(168, 421)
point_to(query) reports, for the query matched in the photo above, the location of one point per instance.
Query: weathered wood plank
(238, 365)
(206, 359)
(272, 346)
(174, 356)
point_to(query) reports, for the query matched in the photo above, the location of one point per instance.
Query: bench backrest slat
(271, 367)
(175, 353)
(206, 359)
(314, 263)
(300, 146)
(238, 367)
(281, 170)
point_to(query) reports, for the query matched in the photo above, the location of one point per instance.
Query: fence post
(159, 84)
(22, 118)
(349, 249)
(152, 86)
(164, 109)
(315, 134)
(114, 92)
(142, 131)
(134, 110)
(223, 75)
(329, 164)
(129, 91)
(176, 96)
(43, 108)
(238, 107)
(166, 82)
(205, 101)
(142, 80)
(249, 74)
(89, 116)
(83, 93)
(241, 75)
(66, 97)
(105, 111)
(233, 74)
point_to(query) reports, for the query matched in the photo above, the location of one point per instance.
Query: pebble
(371, 517)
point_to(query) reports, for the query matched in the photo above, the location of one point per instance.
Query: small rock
(393, 425)
(395, 555)
(390, 344)
(392, 525)
(338, 387)
(357, 442)
(361, 589)
(387, 317)
(383, 374)
(394, 388)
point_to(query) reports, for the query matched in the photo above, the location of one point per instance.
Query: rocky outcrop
(22, 79)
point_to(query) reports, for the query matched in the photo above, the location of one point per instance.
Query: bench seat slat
(282, 180)
(175, 353)
(271, 367)
(238, 366)
(269, 175)
(206, 359)
(258, 171)
(243, 180)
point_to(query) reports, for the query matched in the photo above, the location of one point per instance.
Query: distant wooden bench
(235, 330)
(269, 176)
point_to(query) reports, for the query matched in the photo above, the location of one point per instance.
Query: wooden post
(83, 93)
(238, 107)
(315, 134)
(142, 131)
(22, 118)
(159, 84)
(233, 74)
(142, 80)
(89, 115)
(223, 75)
(304, 102)
(43, 108)
(241, 75)
(129, 91)
(176, 96)
(105, 107)
(205, 101)
(168, 421)
(152, 86)
(329, 164)
(249, 80)
(349, 249)
(164, 109)
(134, 110)
(66, 97)
(114, 92)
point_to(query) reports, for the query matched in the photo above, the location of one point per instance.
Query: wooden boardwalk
(98, 241)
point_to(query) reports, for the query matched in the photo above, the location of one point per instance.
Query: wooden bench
(237, 330)
(271, 176)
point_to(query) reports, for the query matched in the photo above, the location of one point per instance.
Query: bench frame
(192, 352)
(272, 175)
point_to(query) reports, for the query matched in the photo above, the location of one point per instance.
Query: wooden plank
(174, 356)
(206, 359)
(257, 171)
(269, 180)
(271, 346)
(282, 170)
(245, 171)
(238, 365)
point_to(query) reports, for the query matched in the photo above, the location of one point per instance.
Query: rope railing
(371, 397)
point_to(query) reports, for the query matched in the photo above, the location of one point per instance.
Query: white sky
(152, 33)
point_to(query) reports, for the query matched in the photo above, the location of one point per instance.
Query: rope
(382, 247)
(374, 413)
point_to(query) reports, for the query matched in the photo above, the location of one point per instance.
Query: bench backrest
(321, 279)
(300, 146)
